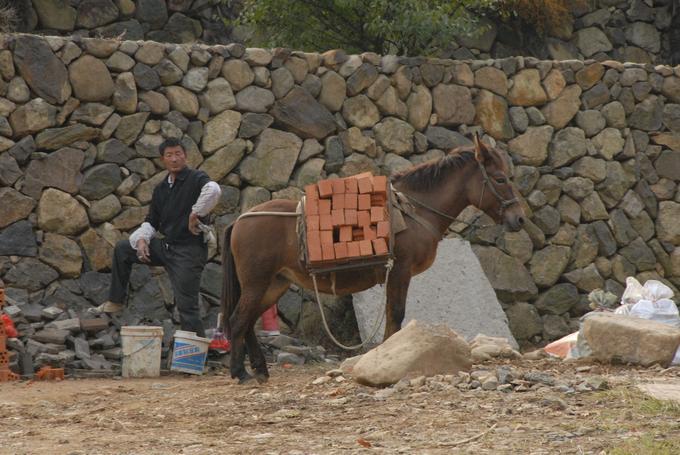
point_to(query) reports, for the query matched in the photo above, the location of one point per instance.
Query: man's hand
(193, 224)
(143, 251)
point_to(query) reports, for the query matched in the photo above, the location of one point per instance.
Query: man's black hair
(170, 142)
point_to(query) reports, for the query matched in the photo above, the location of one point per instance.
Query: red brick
(325, 188)
(365, 185)
(314, 246)
(358, 233)
(327, 251)
(351, 200)
(338, 201)
(351, 185)
(380, 246)
(353, 249)
(338, 186)
(346, 233)
(338, 217)
(364, 202)
(340, 250)
(312, 191)
(324, 206)
(326, 236)
(312, 206)
(351, 217)
(364, 217)
(383, 229)
(366, 248)
(325, 222)
(379, 184)
(313, 222)
(378, 200)
(377, 214)
(369, 233)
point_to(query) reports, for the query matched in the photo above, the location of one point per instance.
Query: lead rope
(379, 321)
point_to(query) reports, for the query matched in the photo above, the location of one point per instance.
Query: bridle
(505, 203)
(486, 181)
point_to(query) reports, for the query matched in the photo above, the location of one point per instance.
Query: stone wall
(173, 21)
(625, 30)
(596, 149)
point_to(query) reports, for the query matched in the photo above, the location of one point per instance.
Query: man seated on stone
(177, 206)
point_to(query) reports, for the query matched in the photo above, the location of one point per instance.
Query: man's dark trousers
(184, 264)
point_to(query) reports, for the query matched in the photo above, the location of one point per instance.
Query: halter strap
(487, 182)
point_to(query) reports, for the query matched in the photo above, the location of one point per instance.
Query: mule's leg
(241, 321)
(397, 288)
(258, 362)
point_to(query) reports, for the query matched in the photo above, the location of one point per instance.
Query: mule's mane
(429, 174)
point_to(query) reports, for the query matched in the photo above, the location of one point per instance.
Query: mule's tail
(231, 288)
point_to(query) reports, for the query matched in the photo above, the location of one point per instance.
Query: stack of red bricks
(347, 219)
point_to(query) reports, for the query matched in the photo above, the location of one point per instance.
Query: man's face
(174, 158)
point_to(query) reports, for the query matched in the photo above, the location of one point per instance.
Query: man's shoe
(268, 333)
(107, 307)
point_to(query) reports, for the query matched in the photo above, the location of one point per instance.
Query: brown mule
(260, 253)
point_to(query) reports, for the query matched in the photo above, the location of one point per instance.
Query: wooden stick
(465, 441)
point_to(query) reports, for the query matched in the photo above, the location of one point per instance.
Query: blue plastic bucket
(189, 353)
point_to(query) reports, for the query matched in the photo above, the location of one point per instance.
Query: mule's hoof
(245, 379)
(262, 378)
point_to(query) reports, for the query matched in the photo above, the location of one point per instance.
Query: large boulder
(531, 148)
(271, 164)
(299, 113)
(60, 213)
(507, 274)
(220, 131)
(61, 253)
(60, 169)
(55, 14)
(97, 250)
(224, 160)
(95, 13)
(548, 264)
(30, 274)
(54, 138)
(527, 89)
(559, 112)
(90, 79)
(492, 114)
(18, 239)
(100, 180)
(41, 69)
(417, 349)
(394, 135)
(453, 105)
(32, 117)
(15, 206)
(667, 226)
(627, 339)
(442, 295)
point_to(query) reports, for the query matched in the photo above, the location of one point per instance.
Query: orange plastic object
(5, 373)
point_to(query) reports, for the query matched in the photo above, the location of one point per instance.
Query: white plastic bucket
(141, 351)
(189, 353)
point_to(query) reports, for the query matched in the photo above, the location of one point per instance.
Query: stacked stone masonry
(174, 21)
(596, 147)
(639, 31)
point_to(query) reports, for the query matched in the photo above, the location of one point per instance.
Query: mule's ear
(481, 151)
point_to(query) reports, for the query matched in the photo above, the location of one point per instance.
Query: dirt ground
(178, 414)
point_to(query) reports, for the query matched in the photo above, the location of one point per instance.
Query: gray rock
(18, 239)
(254, 99)
(95, 13)
(30, 274)
(153, 12)
(253, 124)
(145, 77)
(100, 181)
(524, 320)
(60, 169)
(567, 145)
(274, 146)
(592, 40)
(55, 138)
(591, 122)
(557, 300)
(507, 275)
(519, 119)
(41, 69)
(445, 139)
(548, 264)
(299, 113)
(647, 115)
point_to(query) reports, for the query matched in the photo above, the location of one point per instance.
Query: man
(177, 206)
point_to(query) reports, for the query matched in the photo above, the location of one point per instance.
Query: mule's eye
(501, 180)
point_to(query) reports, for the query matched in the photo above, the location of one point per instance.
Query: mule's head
(491, 190)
